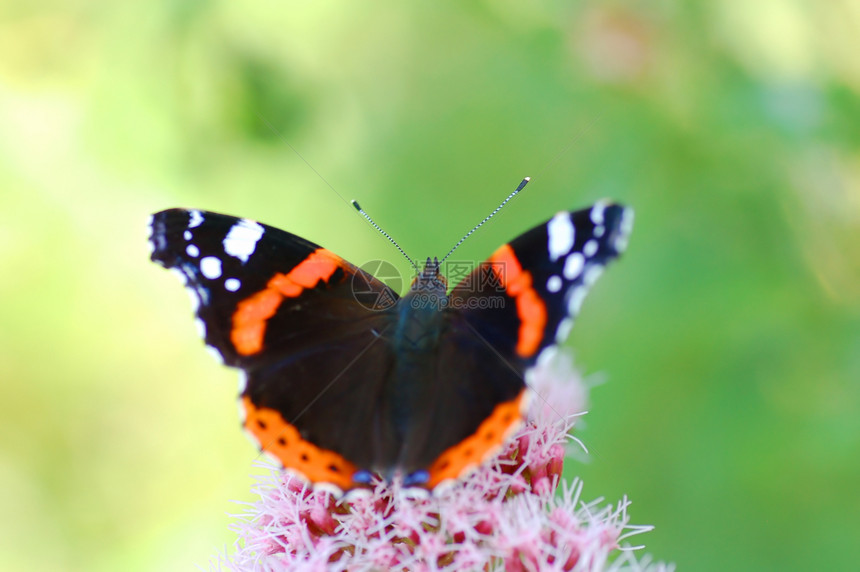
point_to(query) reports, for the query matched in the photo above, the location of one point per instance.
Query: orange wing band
(530, 308)
(283, 440)
(483, 443)
(249, 319)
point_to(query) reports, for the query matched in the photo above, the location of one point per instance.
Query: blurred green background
(729, 334)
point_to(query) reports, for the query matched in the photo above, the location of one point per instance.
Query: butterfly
(343, 379)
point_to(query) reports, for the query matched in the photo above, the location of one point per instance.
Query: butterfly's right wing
(520, 302)
(525, 297)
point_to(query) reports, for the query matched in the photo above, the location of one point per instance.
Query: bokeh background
(726, 341)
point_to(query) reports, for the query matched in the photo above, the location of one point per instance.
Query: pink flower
(513, 514)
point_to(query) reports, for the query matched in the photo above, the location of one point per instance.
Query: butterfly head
(430, 280)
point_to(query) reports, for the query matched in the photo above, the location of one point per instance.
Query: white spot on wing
(330, 488)
(243, 384)
(195, 300)
(592, 274)
(415, 493)
(241, 240)
(547, 355)
(357, 493)
(553, 284)
(574, 303)
(201, 328)
(232, 284)
(573, 265)
(597, 212)
(151, 240)
(215, 353)
(563, 330)
(627, 220)
(561, 235)
(210, 267)
(590, 248)
(625, 227)
(182, 277)
(243, 413)
(186, 235)
(195, 220)
(197, 294)
(192, 251)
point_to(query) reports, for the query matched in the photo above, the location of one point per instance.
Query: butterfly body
(343, 378)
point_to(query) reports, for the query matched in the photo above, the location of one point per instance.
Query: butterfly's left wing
(305, 326)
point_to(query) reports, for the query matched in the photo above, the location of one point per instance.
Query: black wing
(304, 325)
(519, 302)
(525, 297)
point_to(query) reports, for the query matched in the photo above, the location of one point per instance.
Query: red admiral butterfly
(425, 386)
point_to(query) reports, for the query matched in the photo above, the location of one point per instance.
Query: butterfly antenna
(382, 232)
(488, 217)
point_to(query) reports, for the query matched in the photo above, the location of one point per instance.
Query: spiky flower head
(514, 513)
